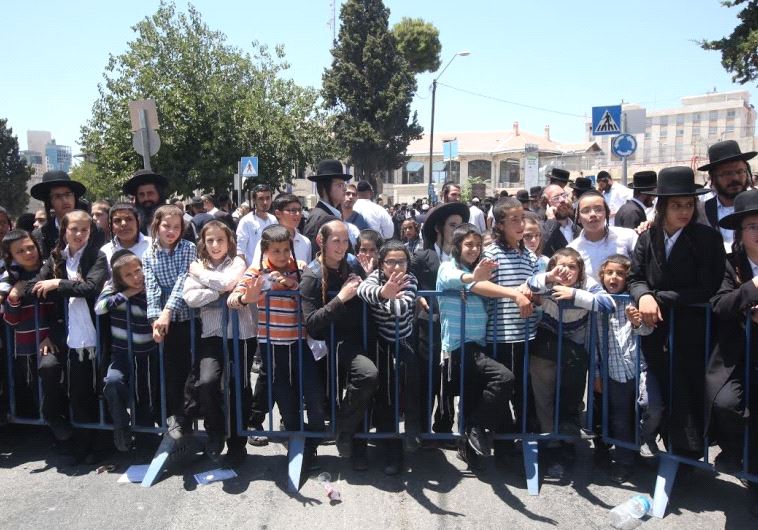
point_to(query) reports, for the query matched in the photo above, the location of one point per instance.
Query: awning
(439, 166)
(413, 166)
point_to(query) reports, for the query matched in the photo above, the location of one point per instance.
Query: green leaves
(419, 43)
(739, 51)
(14, 173)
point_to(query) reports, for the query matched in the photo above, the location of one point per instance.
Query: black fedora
(440, 212)
(143, 176)
(559, 174)
(329, 169)
(51, 179)
(676, 181)
(745, 204)
(644, 180)
(726, 151)
(523, 196)
(535, 192)
(581, 184)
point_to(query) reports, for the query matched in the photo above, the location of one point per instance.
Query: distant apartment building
(44, 154)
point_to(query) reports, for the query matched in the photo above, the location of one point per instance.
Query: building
(681, 135)
(43, 154)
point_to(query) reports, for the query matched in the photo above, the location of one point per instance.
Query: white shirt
(81, 329)
(567, 230)
(476, 218)
(618, 241)
(728, 235)
(249, 232)
(139, 248)
(754, 267)
(669, 241)
(213, 211)
(441, 254)
(616, 197)
(302, 250)
(376, 217)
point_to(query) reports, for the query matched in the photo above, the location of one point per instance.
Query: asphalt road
(41, 489)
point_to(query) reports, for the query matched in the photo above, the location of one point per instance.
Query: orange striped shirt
(285, 320)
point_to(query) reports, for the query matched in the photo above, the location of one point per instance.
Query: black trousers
(25, 390)
(386, 359)
(511, 355)
(69, 378)
(177, 358)
(430, 346)
(622, 402)
(357, 380)
(147, 396)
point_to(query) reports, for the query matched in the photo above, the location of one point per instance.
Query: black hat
(51, 179)
(559, 174)
(143, 176)
(603, 174)
(363, 186)
(725, 151)
(329, 169)
(582, 184)
(196, 202)
(535, 192)
(745, 204)
(644, 180)
(119, 253)
(442, 211)
(523, 195)
(676, 181)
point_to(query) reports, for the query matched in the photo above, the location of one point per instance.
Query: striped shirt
(165, 272)
(286, 324)
(20, 315)
(115, 303)
(514, 268)
(386, 312)
(449, 278)
(574, 313)
(208, 291)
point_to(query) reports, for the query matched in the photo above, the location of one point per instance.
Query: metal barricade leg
(664, 484)
(531, 466)
(295, 452)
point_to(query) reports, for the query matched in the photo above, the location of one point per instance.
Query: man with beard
(148, 194)
(559, 230)
(615, 194)
(633, 213)
(730, 175)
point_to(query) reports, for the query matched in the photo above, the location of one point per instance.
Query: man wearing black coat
(330, 179)
(559, 231)
(632, 214)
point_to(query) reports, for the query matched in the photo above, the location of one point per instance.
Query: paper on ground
(214, 475)
(134, 473)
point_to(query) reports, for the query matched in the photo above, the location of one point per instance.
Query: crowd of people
(531, 272)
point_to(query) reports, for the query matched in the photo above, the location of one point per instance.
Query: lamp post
(431, 129)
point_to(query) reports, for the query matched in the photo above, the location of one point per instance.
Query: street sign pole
(623, 163)
(145, 139)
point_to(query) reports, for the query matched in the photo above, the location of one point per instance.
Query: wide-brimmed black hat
(581, 184)
(523, 196)
(51, 179)
(329, 169)
(644, 180)
(143, 176)
(559, 174)
(439, 212)
(745, 204)
(676, 181)
(535, 192)
(725, 151)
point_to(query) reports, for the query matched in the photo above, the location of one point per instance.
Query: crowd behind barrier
(530, 438)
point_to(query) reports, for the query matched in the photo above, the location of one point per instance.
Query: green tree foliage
(739, 51)
(370, 87)
(215, 104)
(419, 43)
(14, 173)
(97, 187)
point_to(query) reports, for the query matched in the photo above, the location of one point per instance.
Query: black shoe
(310, 461)
(620, 474)
(214, 446)
(62, 429)
(123, 439)
(359, 455)
(235, 455)
(467, 455)
(479, 441)
(728, 462)
(345, 444)
(393, 458)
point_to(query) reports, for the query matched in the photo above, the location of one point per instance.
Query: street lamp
(463, 53)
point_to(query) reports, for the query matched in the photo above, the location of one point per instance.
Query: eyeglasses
(752, 227)
(293, 211)
(592, 209)
(61, 196)
(396, 262)
(733, 173)
(555, 199)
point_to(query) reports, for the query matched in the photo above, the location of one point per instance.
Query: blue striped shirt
(449, 278)
(514, 268)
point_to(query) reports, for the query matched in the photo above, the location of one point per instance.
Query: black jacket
(47, 237)
(424, 264)
(711, 212)
(319, 216)
(346, 317)
(630, 215)
(552, 237)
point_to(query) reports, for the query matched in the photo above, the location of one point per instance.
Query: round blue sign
(624, 145)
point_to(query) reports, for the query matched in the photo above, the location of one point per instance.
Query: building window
(481, 169)
(663, 121)
(444, 171)
(680, 119)
(664, 133)
(413, 172)
(712, 131)
(713, 115)
(509, 172)
(730, 114)
(696, 117)
(729, 128)
(678, 152)
(647, 135)
(680, 132)
(696, 132)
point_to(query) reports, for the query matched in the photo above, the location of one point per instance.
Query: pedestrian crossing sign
(606, 120)
(249, 166)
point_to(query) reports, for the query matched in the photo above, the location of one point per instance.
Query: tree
(739, 51)
(419, 43)
(215, 104)
(97, 187)
(370, 87)
(14, 173)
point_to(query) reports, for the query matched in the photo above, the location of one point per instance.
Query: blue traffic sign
(249, 166)
(624, 145)
(606, 120)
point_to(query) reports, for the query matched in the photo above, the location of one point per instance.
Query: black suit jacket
(552, 237)
(424, 264)
(320, 215)
(711, 212)
(630, 215)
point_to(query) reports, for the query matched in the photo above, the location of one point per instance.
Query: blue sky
(559, 55)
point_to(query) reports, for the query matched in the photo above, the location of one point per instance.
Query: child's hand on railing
(524, 305)
(633, 314)
(561, 292)
(650, 311)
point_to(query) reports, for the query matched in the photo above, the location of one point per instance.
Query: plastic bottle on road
(629, 514)
(325, 479)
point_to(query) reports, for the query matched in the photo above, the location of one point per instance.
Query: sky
(539, 63)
